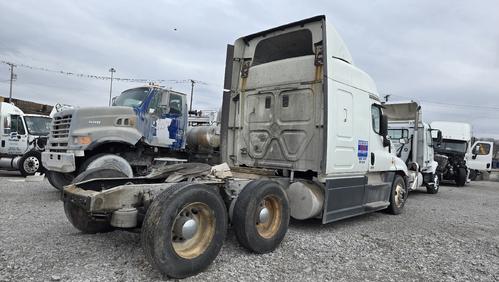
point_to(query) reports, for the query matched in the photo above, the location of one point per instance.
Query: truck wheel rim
(193, 230)
(399, 195)
(268, 217)
(31, 164)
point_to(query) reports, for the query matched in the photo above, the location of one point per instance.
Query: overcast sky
(435, 52)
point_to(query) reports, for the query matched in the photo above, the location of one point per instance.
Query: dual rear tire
(185, 226)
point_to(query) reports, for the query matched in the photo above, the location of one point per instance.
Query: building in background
(29, 107)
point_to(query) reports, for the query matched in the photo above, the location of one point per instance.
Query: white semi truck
(459, 154)
(303, 134)
(414, 144)
(22, 138)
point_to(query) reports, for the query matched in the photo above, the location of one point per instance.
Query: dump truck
(22, 139)
(302, 135)
(145, 126)
(459, 153)
(413, 143)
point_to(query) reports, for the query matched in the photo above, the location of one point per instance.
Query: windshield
(452, 145)
(132, 98)
(38, 125)
(396, 134)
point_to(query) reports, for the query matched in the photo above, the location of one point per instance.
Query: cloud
(429, 51)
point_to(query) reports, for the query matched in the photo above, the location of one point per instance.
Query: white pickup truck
(22, 138)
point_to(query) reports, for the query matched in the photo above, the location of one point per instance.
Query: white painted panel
(344, 114)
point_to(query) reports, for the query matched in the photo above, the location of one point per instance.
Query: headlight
(83, 140)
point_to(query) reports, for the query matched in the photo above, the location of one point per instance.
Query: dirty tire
(257, 235)
(107, 161)
(461, 177)
(159, 232)
(83, 222)
(31, 163)
(58, 179)
(78, 216)
(433, 188)
(398, 195)
(98, 173)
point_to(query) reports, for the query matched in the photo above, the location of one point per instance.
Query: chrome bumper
(61, 162)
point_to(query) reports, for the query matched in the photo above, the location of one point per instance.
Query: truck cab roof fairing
(336, 43)
(401, 111)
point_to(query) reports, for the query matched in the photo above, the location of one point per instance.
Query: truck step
(377, 205)
(170, 160)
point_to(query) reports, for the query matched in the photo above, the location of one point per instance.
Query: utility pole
(11, 65)
(112, 70)
(192, 93)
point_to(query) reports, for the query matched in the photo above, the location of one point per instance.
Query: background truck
(302, 134)
(414, 144)
(456, 154)
(146, 125)
(479, 158)
(22, 139)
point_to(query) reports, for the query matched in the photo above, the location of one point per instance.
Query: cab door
(15, 135)
(377, 190)
(480, 157)
(166, 119)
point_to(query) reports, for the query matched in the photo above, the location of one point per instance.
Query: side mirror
(439, 136)
(383, 127)
(113, 100)
(436, 135)
(383, 130)
(165, 108)
(476, 150)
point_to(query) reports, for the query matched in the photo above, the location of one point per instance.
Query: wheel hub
(268, 216)
(31, 165)
(399, 195)
(189, 229)
(193, 230)
(264, 215)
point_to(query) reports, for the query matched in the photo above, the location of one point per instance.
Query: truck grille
(59, 135)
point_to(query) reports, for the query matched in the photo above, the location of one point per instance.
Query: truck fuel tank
(10, 163)
(306, 199)
(205, 136)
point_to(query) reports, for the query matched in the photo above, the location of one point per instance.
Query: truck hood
(102, 111)
(92, 117)
(96, 112)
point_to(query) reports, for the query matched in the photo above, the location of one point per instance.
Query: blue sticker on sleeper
(362, 150)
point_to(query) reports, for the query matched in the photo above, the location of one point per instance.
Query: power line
(103, 77)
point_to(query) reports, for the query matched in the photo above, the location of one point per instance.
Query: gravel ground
(453, 235)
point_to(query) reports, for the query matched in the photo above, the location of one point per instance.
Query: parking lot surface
(453, 235)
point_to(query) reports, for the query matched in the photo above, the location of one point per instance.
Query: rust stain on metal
(318, 73)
